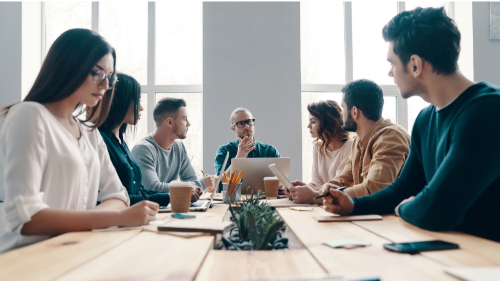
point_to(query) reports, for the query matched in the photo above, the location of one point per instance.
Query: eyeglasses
(99, 77)
(241, 124)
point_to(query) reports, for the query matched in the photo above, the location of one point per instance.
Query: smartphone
(416, 247)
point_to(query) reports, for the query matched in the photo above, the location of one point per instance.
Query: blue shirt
(261, 150)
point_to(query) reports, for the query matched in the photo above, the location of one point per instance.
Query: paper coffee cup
(271, 185)
(180, 196)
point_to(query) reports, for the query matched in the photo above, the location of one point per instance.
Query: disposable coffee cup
(271, 185)
(180, 196)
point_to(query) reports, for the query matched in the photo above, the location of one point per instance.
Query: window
(325, 57)
(125, 27)
(178, 42)
(322, 42)
(369, 48)
(62, 16)
(176, 55)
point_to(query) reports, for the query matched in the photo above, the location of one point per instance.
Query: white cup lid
(180, 184)
(270, 178)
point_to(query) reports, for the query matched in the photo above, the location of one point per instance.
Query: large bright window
(342, 42)
(160, 40)
(62, 16)
(369, 48)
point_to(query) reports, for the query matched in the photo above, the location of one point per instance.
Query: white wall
(10, 52)
(32, 44)
(10, 59)
(486, 51)
(251, 58)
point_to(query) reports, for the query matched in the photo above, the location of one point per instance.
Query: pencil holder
(234, 189)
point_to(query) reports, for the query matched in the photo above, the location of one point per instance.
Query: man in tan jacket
(379, 150)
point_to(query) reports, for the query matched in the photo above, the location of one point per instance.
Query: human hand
(244, 147)
(209, 182)
(197, 192)
(402, 202)
(138, 214)
(303, 194)
(337, 202)
(327, 187)
(298, 183)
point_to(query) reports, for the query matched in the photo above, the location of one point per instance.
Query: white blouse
(45, 166)
(326, 168)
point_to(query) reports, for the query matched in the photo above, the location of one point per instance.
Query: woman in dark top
(125, 110)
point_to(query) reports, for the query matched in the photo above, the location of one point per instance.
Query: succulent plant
(257, 227)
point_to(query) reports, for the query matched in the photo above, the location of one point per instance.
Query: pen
(323, 195)
(202, 172)
(142, 194)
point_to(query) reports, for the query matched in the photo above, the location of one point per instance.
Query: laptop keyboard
(197, 204)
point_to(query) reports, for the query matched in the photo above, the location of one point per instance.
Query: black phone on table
(422, 246)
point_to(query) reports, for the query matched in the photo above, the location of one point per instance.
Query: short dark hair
(167, 107)
(367, 96)
(127, 91)
(428, 33)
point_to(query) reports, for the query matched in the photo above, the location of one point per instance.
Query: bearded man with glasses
(245, 146)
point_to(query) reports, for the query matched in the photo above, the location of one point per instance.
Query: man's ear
(232, 128)
(169, 121)
(415, 65)
(354, 113)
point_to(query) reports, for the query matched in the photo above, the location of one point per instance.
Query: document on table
(475, 273)
(119, 228)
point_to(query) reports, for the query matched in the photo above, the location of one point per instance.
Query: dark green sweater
(453, 168)
(129, 171)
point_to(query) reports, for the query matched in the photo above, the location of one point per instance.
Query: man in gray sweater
(162, 156)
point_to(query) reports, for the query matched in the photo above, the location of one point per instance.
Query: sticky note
(183, 216)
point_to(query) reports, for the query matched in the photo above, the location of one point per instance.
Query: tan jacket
(376, 160)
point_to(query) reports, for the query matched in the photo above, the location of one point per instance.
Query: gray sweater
(160, 167)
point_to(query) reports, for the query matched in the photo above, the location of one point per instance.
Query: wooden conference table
(144, 254)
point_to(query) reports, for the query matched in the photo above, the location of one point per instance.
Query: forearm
(52, 221)
(110, 205)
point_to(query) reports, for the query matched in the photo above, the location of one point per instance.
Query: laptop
(202, 205)
(256, 169)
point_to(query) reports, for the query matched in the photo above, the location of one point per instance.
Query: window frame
(150, 88)
(389, 90)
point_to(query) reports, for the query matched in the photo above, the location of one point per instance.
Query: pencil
(324, 195)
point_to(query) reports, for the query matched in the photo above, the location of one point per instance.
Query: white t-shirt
(45, 166)
(326, 168)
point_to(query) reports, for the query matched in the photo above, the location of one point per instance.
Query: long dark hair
(67, 65)
(329, 115)
(127, 91)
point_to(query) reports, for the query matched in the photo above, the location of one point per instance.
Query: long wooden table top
(150, 255)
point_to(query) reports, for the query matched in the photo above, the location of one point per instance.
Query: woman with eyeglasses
(57, 167)
(331, 149)
(125, 110)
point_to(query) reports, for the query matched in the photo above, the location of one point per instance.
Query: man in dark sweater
(451, 179)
